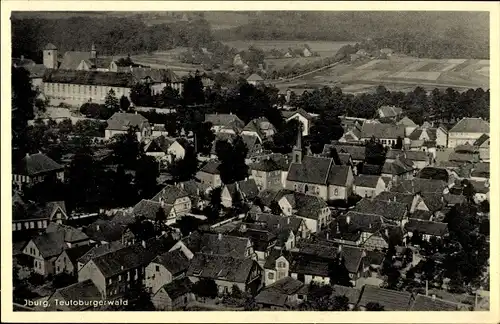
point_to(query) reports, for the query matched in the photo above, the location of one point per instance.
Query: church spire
(297, 148)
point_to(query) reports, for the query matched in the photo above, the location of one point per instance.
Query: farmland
(398, 73)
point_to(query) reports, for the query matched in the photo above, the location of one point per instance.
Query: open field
(323, 48)
(399, 73)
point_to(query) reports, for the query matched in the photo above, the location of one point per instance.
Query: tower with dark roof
(50, 56)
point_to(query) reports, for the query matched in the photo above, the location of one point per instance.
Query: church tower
(297, 148)
(50, 56)
(93, 52)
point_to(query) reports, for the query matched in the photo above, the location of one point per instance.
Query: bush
(95, 110)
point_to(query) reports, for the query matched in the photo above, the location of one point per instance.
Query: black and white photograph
(250, 160)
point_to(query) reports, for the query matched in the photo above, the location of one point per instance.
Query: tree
(160, 217)
(215, 205)
(374, 307)
(124, 103)
(236, 292)
(193, 91)
(82, 179)
(205, 288)
(141, 95)
(340, 303)
(374, 152)
(232, 156)
(126, 148)
(204, 136)
(338, 273)
(327, 128)
(138, 300)
(146, 174)
(284, 140)
(169, 97)
(468, 191)
(111, 102)
(185, 168)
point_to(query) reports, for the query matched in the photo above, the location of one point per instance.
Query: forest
(113, 35)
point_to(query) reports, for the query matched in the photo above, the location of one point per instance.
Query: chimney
(348, 219)
(143, 244)
(136, 112)
(219, 236)
(394, 199)
(327, 236)
(288, 220)
(22, 57)
(162, 203)
(340, 248)
(427, 287)
(97, 227)
(433, 297)
(387, 232)
(27, 155)
(338, 228)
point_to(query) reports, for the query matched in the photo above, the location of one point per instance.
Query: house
(255, 79)
(426, 229)
(252, 143)
(226, 271)
(313, 210)
(391, 300)
(98, 250)
(467, 130)
(430, 202)
(356, 152)
(158, 147)
(35, 168)
(399, 169)
(277, 266)
(263, 240)
(260, 128)
(389, 112)
(368, 185)
(75, 87)
(246, 190)
(439, 135)
(284, 294)
(176, 197)
(150, 210)
(420, 159)
(44, 249)
(227, 123)
(434, 173)
(67, 261)
(104, 231)
(177, 150)
(115, 272)
(351, 135)
(305, 118)
(352, 294)
(266, 174)
(120, 123)
(157, 79)
(209, 174)
(35, 217)
(164, 269)
(409, 125)
(198, 192)
(389, 210)
(480, 172)
(483, 145)
(219, 244)
(319, 176)
(306, 51)
(418, 185)
(80, 296)
(387, 134)
(360, 230)
(399, 197)
(482, 190)
(288, 229)
(174, 295)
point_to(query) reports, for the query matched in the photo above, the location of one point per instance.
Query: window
(110, 281)
(36, 264)
(281, 264)
(13, 227)
(44, 224)
(157, 268)
(336, 192)
(39, 224)
(19, 226)
(39, 265)
(58, 268)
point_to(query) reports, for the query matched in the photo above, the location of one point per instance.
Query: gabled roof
(174, 261)
(130, 257)
(434, 173)
(159, 144)
(220, 267)
(178, 288)
(99, 250)
(228, 120)
(248, 188)
(312, 170)
(387, 209)
(481, 140)
(156, 75)
(276, 294)
(427, 227)
(398, 166)
(382, 131)
(416, 185)
(338, 175)
(149, 209)
(306, 206)
(123, 121)
(471, 125)
(105, 231)
(391, 111)
(211, 167)
(367, 181)
(277, 223)
(49, 244)
(50, 46)
(421, 215)
(405, 121)
(265, 165)
(218, 244)
(36, 164)
(410, 155)
(433, 201)
(352, 294)
(72, 59)
(356, 152)
(68, 233)
(392, 300)
(288, 114)
(255, 77)
(84, 291)
(400, 197)
(170, 194)
(430, 304)
(75, 253)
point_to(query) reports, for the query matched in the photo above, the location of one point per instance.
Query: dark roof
(218, 244)
(374, 257)
(404, 198)
(356, 152)
(266, 165)
(75, 253)
(100, 250)
(371, 169)
(471, 125)
(118, 261)
(420, 185)
(211, 167)
(463, 157)
(248, 188)
(228, 120)
(427, 227)
(274, 255)
(175, 261)
(156, 75)
(276, 294)
(50, 46)
(338, 175)
(97, 78)
(452, 199)
(363, 222)
(84, 290)
(481, 140)
(123, 121)
(170, 194)
(433, 173)
(68, 233)
(398, 166)
(392, 300)
(305, 205)
(352, 294)
(271, 297)
(352, 257)
(277, 223)
(36, 164)
(220, 267)
(309, 265)
(261, 238)
(312, 170)
(368, 181)
(178, 288)
(382, 131)
(318, 250)
(387, 209)
(434, 202)
(49, 244)
(430, 304)
(421, 215)
(149, 209)
(105, 231)
(287, 114)
(286, 286)
(390, 111)
(410, 155)
(159, 144)
(36, 70)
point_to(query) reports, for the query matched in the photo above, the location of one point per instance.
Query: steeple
(297, 148)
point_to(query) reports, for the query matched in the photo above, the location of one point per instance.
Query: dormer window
(197, 272)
